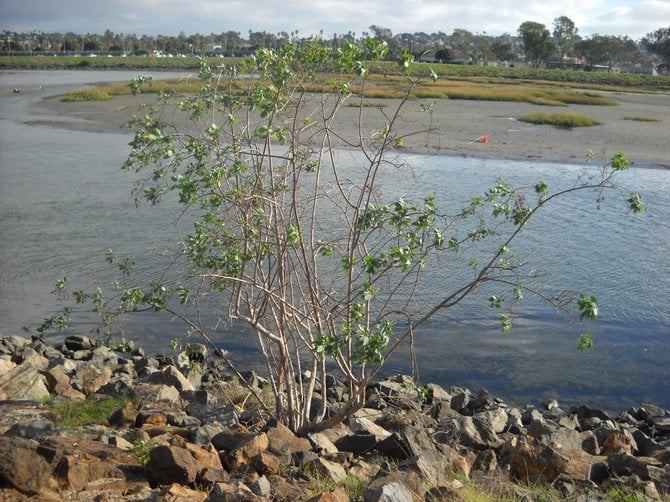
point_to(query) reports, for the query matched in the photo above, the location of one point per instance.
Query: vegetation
(537, 42)
(76, 413)
(313, 253)
(142, 449)
(568, 119)
(642, 118)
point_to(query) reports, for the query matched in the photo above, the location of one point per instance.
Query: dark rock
(623, 464)
(357, 443)
(285, 444)
(170, 376)
(585, 411)
(25, 465)
(78, 342)
(36, 429)
(599, 472)
(84, 461)
(124, 417)
(434, 461)
(460, 401)
(168, 464)
(536, 464)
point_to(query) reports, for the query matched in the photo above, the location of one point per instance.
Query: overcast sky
(169, 17)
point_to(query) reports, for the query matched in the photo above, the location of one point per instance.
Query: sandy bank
(456, 123)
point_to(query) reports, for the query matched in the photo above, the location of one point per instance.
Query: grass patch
(93, 94)
(642, 118)
(90, 411)
(567, 119)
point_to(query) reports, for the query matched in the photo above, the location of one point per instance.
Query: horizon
(632, 18)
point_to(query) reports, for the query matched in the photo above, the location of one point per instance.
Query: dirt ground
(454, 124)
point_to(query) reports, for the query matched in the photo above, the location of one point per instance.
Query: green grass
(93, 94)
(76, 413)
(567, 119)
(642, 118)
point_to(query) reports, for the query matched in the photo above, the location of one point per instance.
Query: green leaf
(588, 305)
(585, 342)
(635, 202)
(619, 162)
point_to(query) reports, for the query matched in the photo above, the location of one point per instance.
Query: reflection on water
(64, 201)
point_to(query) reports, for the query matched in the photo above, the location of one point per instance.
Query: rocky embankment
(190, 432)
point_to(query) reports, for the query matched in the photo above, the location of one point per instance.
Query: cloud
(169, 17)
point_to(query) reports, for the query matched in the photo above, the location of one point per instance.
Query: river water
(64, 202)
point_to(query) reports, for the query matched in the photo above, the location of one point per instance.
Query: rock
(434, 461)
(171, 464)
(92, 377)
(206, 457)
(124, 417)
(150, 393)
(23, 382)
(170, 376)
(331, 470)
(468, 431)
(6, 366)
(284, 444)
(390, 492)
(321, 443)
(78, 342)
(261, 487)
(438, 393)
(623, 464)
(536, 464)
(357, 443)
(619, 442)
(361, 424)
(337, 495)
(25, 465)
(243, 456)
(36, 429)
(178, 493)
(599, 472)
(37, 360)
(84, 461)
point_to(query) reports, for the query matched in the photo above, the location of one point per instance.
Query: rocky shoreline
(190, 430)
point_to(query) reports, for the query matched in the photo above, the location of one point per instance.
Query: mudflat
(452, 127)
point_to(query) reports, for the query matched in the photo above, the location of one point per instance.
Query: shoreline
(453, 127)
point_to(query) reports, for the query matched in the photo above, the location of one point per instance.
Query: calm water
(64, 201)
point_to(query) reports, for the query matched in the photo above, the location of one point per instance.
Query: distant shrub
(567, 119)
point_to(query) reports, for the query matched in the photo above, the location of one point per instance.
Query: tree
(502, 50)
(658, 42)
(462, 40)
(608, 50)
(564, 36)
(311, 251)
(537, 43)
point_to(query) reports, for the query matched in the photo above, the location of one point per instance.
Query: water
(64, 201)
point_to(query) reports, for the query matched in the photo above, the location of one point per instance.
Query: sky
(634, 18)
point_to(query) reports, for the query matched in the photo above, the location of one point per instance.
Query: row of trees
(533, 44)
(564, 45)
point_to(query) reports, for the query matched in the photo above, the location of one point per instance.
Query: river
(64, 202)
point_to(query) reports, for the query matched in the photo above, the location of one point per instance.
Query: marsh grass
(567, 119)
(76, 413)
(642, 118)
(381, 86)
(93, 94)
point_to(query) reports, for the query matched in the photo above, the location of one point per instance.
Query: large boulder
(24, 382)
(25, 465)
